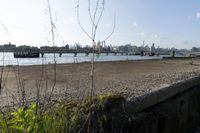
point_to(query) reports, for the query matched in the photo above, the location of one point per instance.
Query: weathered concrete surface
(138, 104)
(173, 109)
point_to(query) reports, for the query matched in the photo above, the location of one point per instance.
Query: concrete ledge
(140, 103)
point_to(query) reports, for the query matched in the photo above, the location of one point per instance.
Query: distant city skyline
(170, 23)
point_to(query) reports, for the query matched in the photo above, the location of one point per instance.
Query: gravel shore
(128, 78)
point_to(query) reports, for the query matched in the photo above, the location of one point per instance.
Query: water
(67, 58)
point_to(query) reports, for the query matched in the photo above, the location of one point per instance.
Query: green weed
(63, 117)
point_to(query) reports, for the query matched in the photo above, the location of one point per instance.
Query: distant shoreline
(119, 61)
(9, 59)
(89, 62)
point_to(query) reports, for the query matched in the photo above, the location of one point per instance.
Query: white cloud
(140, 34)
(156, 36)
(134, 24)
(198, 15)
(70, 20)
(108, 24)
(17, 27)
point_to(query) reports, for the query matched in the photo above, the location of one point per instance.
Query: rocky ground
(129, 78)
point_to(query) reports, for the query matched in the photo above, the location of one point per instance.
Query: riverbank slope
(129, 78)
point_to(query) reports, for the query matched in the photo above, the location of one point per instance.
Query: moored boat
(26, 52)
(29, 54)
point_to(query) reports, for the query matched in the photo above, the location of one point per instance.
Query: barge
(26, 52)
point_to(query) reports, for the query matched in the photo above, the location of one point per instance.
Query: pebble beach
(127, 78)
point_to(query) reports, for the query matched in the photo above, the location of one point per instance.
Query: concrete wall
(172, 109)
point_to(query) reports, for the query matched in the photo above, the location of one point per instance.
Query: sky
(167, 23)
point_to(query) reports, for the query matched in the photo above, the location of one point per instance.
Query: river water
(8, 58)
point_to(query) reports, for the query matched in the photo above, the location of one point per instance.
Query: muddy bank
(129, 78)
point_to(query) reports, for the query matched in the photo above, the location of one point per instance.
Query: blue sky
(167, 23)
